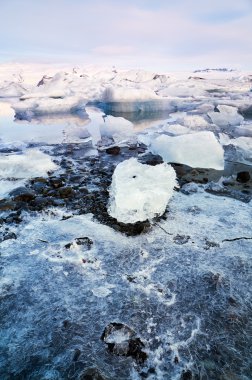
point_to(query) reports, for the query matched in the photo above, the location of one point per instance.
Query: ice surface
(227, 116)
(50, 301)
(200, 150)
(139, 192)
(31, 163)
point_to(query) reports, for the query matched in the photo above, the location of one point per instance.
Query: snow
(139, 192)
(227, 116)
(200, 150)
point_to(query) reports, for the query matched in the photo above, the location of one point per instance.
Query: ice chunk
(30, 164)
(139, 192)
(244, 144)
(244, 130)
(200, 150)
(227, 116)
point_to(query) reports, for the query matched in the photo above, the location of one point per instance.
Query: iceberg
(199, 149)
(139, 192)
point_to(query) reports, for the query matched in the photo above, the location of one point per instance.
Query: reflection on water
(53, 129)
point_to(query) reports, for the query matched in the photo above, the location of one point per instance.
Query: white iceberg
(200, 150)
(227, 116)
(139, 192)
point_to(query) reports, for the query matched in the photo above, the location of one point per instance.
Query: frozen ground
(87, 293)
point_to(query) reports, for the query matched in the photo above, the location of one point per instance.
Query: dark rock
(10, 235)
(39, 179)
(84, 241)
(7, 205)
(123, 341)
(22, 194)
(76, 355)
(39, 186)
(197, 78)
(91, 374)
(41, 201)
(186, 375)
(58, 202)
(181, 239)
(114, 150)
(66, 192)
(151, 159)
(56, 182)
(44, 80)
(243, 177)
(210, 244)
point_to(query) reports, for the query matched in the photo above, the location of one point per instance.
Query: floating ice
(30, 164)
(200, 150)
(139, 192)
(227, 116)
(26, 109)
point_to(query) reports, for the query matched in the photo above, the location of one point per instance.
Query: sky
(167, 35)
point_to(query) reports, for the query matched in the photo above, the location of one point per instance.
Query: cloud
(178, 33)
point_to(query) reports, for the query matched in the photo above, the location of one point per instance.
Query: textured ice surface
(200, 150)
(139, 192)
(227, 116)
(49, 305)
